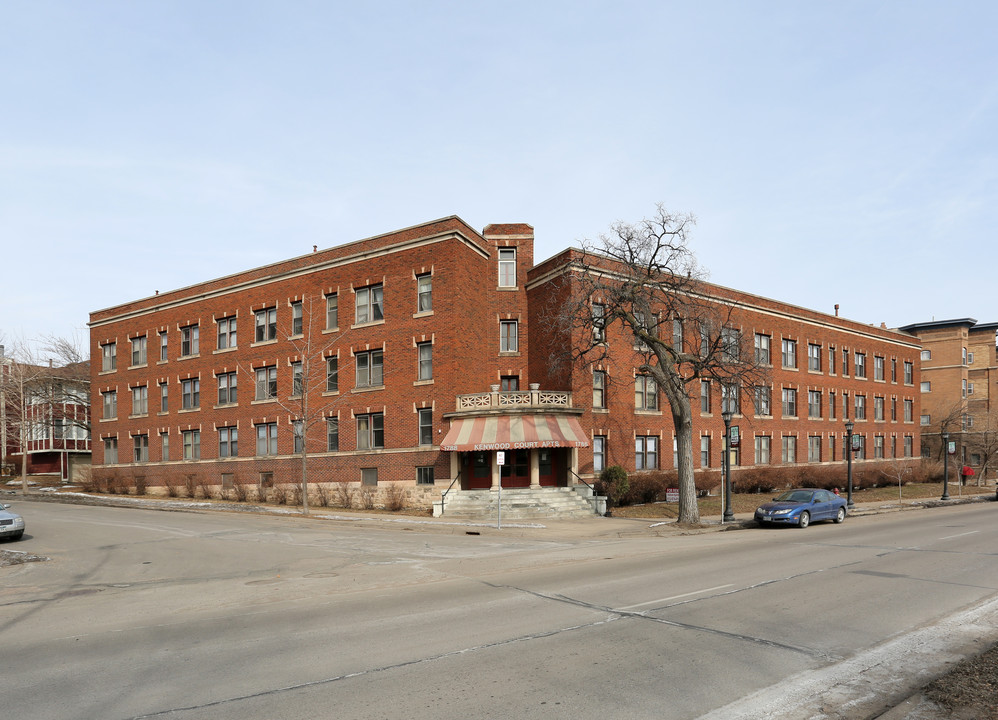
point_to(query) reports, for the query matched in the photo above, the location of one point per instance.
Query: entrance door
(476, 469)
(516, 472)
(550, 462)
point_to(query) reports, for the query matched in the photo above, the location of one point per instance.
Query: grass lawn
(748, 502)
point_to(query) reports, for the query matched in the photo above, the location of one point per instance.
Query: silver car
(11, 524)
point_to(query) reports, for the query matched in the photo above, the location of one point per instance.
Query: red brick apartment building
(959, 362)
(414, 353)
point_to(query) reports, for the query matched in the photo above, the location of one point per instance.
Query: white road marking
(949, 537)
(676, 597)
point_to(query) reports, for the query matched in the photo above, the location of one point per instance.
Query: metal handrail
(443, 495)
(579, 478)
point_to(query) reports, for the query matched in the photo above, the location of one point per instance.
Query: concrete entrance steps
(519, 503)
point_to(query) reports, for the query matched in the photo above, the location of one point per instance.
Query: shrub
(279, 494)
(172, 484)
(648, 487)
(294, 494)
(240, 490)
(190, 484)
(395, 498)
(140, 485)
(707, 481)
(204, 488)
(323, 495)
(261, 493)
(88, 478)
(367, 495)
(613, 483)
(343, 494)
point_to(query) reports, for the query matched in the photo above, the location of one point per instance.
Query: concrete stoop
(518, 504)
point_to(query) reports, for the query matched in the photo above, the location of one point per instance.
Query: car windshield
(798, 496)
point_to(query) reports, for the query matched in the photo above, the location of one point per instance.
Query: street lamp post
(945, 466)
(849, 427)
(729, 514)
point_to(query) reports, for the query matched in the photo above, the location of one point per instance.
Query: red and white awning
(514, 432)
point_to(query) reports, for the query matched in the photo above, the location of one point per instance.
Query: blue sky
(833, 152)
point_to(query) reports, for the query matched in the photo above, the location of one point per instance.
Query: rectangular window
(860, 361)
(139, 352)
(845, 405)
(164, 398)
(814, 403)
(645, 393)
(109, 356)
(164, 440)
(814, 357)
(789, 449)
(266, 383)
(789, 402)
(599, 323)
(425, 426)
(371, 431)
(424, 293)
(298, 433)
(705, 396)
(730, 398)
(762, 449)
(369, 476)
(599, 389)
(909, 373)
(845, 361)
(369, 304)
(894, 370)
(192, 444)
(226, 333)
(332, 434)
(789, 356)
(878, 368)
(704, 451)
(228, 442)
(509, 383)
(266, 439)
(926, 355)
(908, 445)
(190, 392)
(894, 409)
(831, 406)
(140, 445)
(909, 410)
(507, 267)
(140, 400)
(297, 318)
(227, 389)
(831, 359)
(425, 369)
(878, 447)
(424, 475)
(860, 407)
(189, 340)
(110, 451)
(831, 447)
(370, 368)
(599, 453)
(731, 345)
(508, 336)
(332, 374)
(763, 400)
(814, 449)
(110, 404)
(878, 408)
(677, 335)
(162, 346)
(266, 324)
(297, 379)
(646, 452)
(925, 419)
(762, 345)
(332, 311)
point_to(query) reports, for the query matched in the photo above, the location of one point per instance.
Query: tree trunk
(689, 511)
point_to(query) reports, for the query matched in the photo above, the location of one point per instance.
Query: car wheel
(17, 536)
(762, 523)
(841, 515)
(805, 519)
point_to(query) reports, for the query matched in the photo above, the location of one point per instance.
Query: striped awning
(514, 432)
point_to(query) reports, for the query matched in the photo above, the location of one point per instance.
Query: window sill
(219, 351)
(423, 382)
(261, 343)
(424, 313)
(136, 367)
(367, 324)
(331, 330)
(189, 357)
(222, 406)
(108, 372)
(138, 415)
(330, 393)
(509, 353)
(190, 410)
(265, 401)
(505, 288)
(601, 411)
(108, 419)
(648, 412)
(372, 388)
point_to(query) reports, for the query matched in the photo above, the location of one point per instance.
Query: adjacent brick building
(414, 356)
(959, 363)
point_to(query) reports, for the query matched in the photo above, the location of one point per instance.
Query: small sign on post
(951, 448)
(734, 436)
(672, 495)
(500, 457)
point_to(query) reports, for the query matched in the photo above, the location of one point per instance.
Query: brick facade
(485, 325)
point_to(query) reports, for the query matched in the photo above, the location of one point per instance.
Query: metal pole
(945, 466)
(849, 426)
(729, 514)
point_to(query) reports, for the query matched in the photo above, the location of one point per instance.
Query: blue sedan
(801, 507)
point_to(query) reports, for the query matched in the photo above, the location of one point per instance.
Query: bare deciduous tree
(644, 279)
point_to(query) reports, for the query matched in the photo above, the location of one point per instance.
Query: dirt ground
(970, 690)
